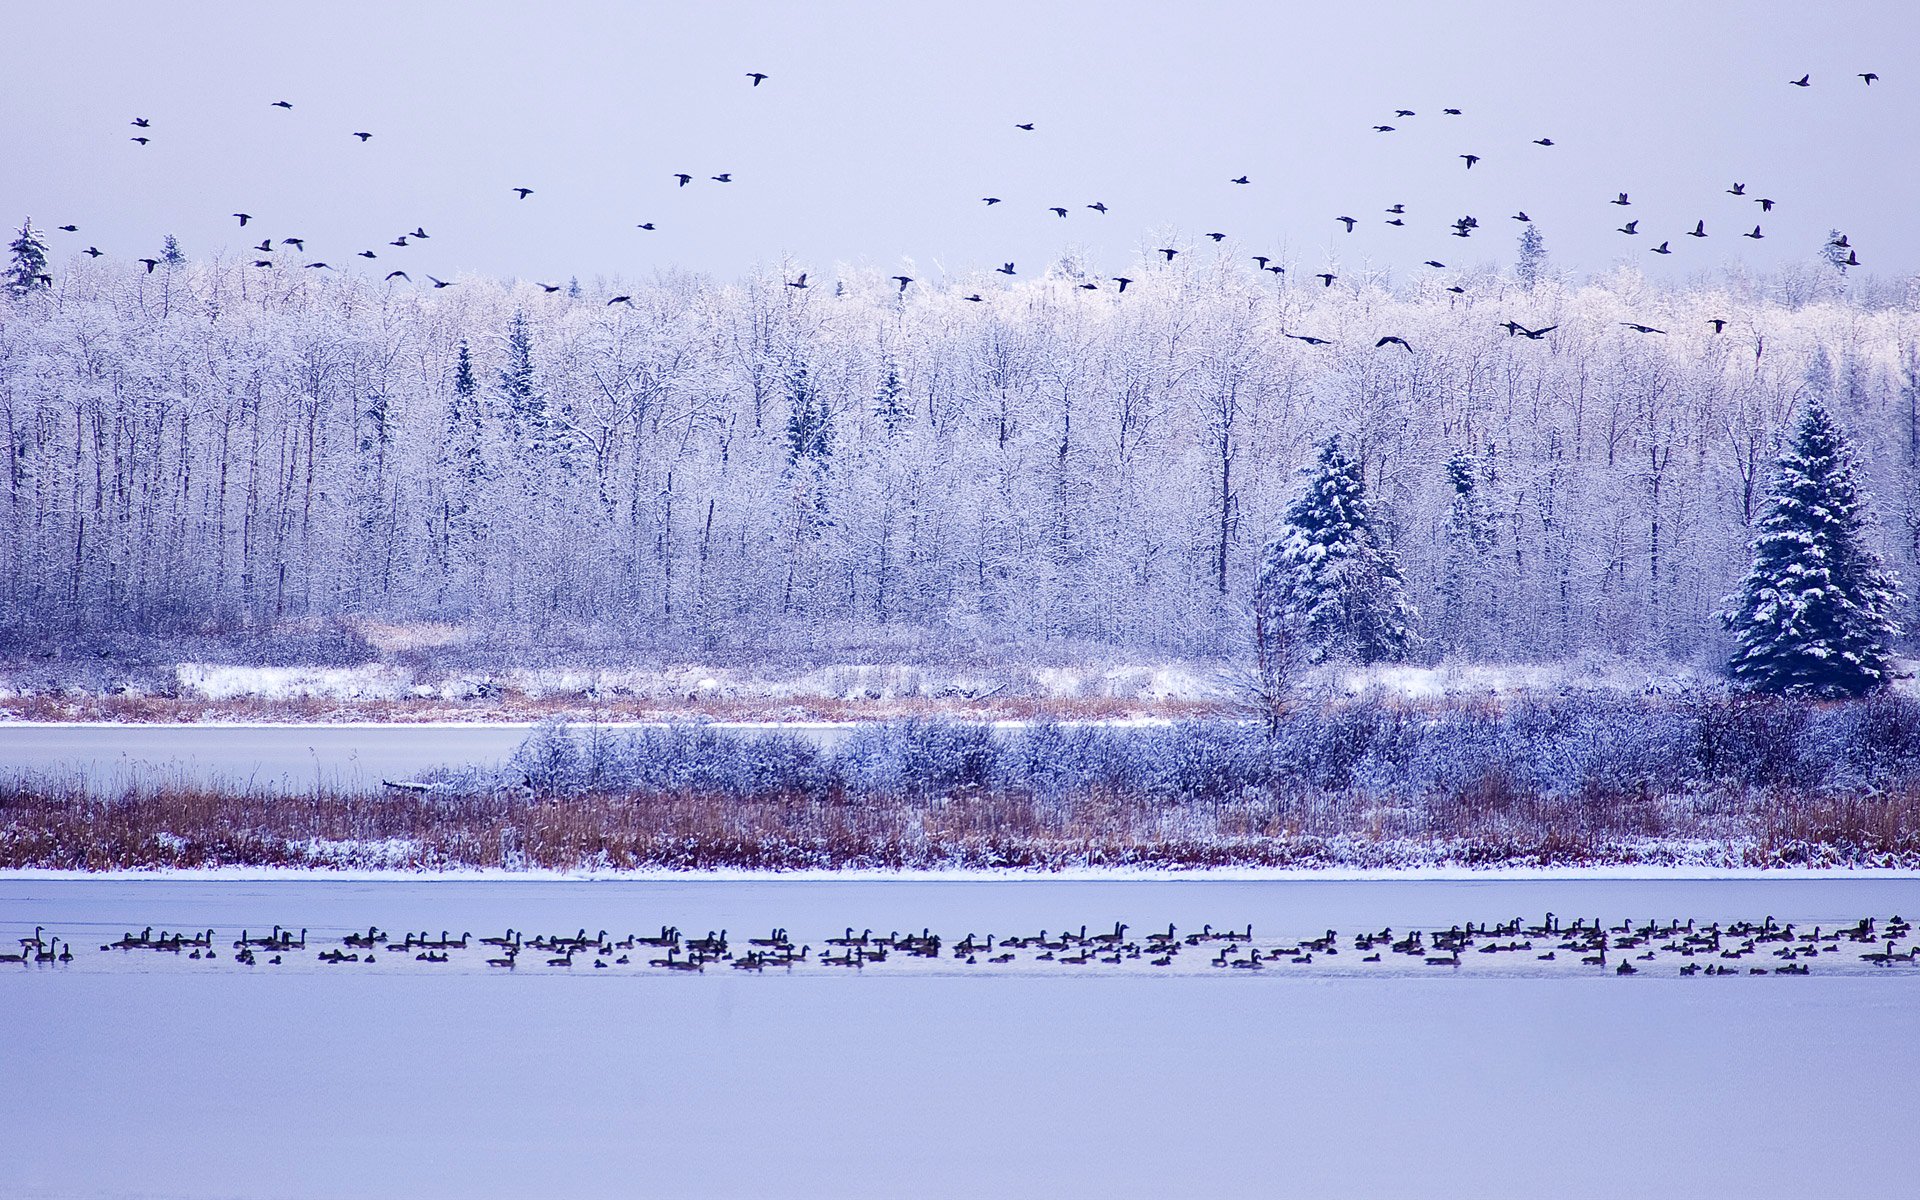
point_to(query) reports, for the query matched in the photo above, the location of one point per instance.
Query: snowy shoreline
(238, 874)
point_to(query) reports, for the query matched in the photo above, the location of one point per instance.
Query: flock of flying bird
(1765, 947)
(1464, 227)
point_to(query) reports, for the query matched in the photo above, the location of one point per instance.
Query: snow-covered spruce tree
(1815, 615)
(1532, 263)
(1469, 539)
(171, 253)
(1327, 586)
(890, 405)
(28, 268)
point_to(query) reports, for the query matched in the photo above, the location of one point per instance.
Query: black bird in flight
(1543, 141)
(419, 231)
(1403, 112)
(263, 262)
(244, 218)
(1390, 339)
(989, 201)
(283, 104)
(1457, 290)
(399, 241)
(1242, 179)
(1840, 241)
(548, 288)
(1471, 159)
(1662, 249)
(1514, 327)
(648, 225)
(318, 266)
(368, 254)
(1522, 216)
(1853, 258)
(141, 140)
(1169, 252)
(524, 192)
(1326, 278)
(1383, 129)
(439, 283)
(1451, 112)
(722, 177)
(1059, 212)
(142, 123)
(1089, 287)
(903, 281)
(626, 300)
(1263, 260)
(151, 264)
(1277, 270)
(683, 177)
(1803, 81)
(1719, 324)
(1621, 199)
(1738, 189)
(1699, 229)
(1766, 205)
(1397, 210)
(1348, 221)
(1639, 328)
(1123, 281)
(1099, 206)
(298, 243)
(1396, 221)
(1630, 227)
(1218, 237)
(976, 297)
(1436, 264)
(1005, 268)
(1869, 77)
(756, 76)
(798, 283)
(1028, 126)
(362, 136)
(93, 252)
(69, 229)
(1311, 341)
(400, 275)
(1756, 235)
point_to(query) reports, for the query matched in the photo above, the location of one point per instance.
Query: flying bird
(244, 218)
(1699, 229)
(399, 241)
(722, 177)
(263, 262)
(1099, 206)
(1396, 221)
(1026, 125)
(1719, 324)
(798, 283)
(93, 252)
(1436, 264)
(1169, 252)
(1514, 327)
(141, 140)
(265, 246)
(1766, 205)
(1630, 227)
(1639, 328)
(756, 76)
(419, 231)
(1543, 141)
(1868, 77)
(548, 288)
(1123, 281)
(1390, 339)
(1621, 199)
(903, 281)
(644, 225)
(1451, 112)
(298, 243)
(1347, 221)
(1326, 278)
(1803, 81)
(1263, 260)
(363, 137)
(1059, 212)
(1089, 287)
(1522, 216)
(368, 254)
(151, 264)
(1397, 209)
(524, 192)
(400, 275)
(439, 283)
(69, 229)
(1756, 235)
(141, 123)
(1311, 341)
(1218, 237)
(1662, 248)
(626, 300)
(283, 104)
(1005, 268)
(1241, 179)
(1738, 189)
(316, 266)
(976, 297)
(1383, 129)
(683, 177)
(1471, 159)
(989, 201)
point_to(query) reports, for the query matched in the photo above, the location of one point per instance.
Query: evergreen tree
(573, 287)
(171, 253)
(1327, 586)
(525, 412)
(1836, 252)
(1815, 615)
(890, 405)
(28, 270)
(1533, 257)
(1469, 538)
(809, 422)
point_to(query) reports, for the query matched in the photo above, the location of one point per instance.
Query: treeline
(711, 467)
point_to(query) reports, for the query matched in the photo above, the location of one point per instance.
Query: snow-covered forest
(726, 467)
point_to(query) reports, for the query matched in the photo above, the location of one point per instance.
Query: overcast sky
(881, 126)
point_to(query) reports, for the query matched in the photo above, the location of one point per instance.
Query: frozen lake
(156, 1081)
(279, 757)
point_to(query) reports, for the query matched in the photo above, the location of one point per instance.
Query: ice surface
(401, 1082)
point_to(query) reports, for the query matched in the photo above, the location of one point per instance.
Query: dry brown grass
(1491, 824)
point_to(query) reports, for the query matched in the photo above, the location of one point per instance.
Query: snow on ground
(377, 1082)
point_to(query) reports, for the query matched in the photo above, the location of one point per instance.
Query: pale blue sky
(884, 123)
